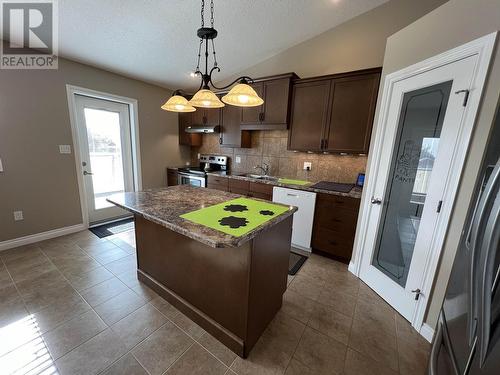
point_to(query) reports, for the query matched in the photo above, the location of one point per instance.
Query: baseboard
(352, 268)
(427, 332)
(26, 240)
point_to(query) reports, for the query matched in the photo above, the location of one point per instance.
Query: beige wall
(356, 44)
(271, 147)
(34, 120)
(449, 26)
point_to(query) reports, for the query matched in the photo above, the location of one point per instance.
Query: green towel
(210, 216)
(289, 181)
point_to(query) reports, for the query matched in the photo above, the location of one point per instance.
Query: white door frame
(483, 48)
(71, 91)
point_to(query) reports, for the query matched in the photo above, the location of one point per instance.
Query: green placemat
(292, 182)
(233, 212)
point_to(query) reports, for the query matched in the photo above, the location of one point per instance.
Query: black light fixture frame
(207, 34)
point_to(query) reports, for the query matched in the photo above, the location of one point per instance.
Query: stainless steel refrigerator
(467, 339)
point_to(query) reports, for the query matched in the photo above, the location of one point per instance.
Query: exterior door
(106, 154)
(424, 111)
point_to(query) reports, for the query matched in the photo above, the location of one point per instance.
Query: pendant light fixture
(241, 95)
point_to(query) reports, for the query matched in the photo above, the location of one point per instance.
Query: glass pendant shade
(242, 95)
(206, 99)
(178, 103)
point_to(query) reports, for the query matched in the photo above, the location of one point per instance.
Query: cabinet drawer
(266, 189)
(255, 194)
(337, 201)
(217, 187)
(334, 242)
(238, 191)
(217, 180)
(238, 184)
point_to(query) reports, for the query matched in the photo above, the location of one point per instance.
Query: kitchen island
(230, 283)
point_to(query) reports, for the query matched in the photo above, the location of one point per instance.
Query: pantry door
(423, 125)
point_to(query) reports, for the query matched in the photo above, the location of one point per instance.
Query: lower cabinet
(334, 225)
(172, 177)
(218, 183)
(251, 189)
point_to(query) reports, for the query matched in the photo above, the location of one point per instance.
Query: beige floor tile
(341, 302)
(376, 315)
(11, 312)
(358, 364)
(413, 359)
(138, 325)
(159, 351)
(306, 286)
(73, 333)
(76, 266)
(61, 309)
(165, 307)
(22, 271)
(188, 326)
(297, 368)
(197, 361)
(409, 335)
(375, 342)
(127, 365)
(145, 292)
(297, 306)
(89, 279)
(111, 255)
(39, 298)
(98, 247)
(320, 353)
(19, 252)
(219, 350)
(330, 322)
(119, 307)
(128, 263)
(93, 356)
(102, 292)
(129, 278)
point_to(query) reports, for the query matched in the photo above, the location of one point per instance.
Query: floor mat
(295, 262)
(109, 229)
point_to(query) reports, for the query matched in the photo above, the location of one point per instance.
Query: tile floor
(73, 305)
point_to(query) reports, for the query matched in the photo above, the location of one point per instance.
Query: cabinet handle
(220, 140)
(326, 143)
(322, 143)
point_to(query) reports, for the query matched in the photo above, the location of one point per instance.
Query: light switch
(238, 159)
(307, 165)
(18, 215)
(65, 149)
(1, 166)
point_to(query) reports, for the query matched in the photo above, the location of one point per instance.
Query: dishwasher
(303, 218)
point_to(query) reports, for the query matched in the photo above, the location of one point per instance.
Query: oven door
(189, 179)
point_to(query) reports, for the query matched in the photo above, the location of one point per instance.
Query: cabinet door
(185, 120)
(353, 108)
(253, 115)
(212, 116)
(231, 134)
(197, 117)
(310, 102)
(276, 101)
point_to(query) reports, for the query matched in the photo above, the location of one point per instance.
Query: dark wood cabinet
(334, 227)
(274, 113)
(187, 139)
(218, 182)
(231, 134)
(172, 177)
(206, 116)
(334, 113)
(261, 191)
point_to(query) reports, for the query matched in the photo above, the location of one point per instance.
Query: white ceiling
(155, 40)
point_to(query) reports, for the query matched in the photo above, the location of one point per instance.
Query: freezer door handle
(489, 248)
(436, 345)
(476, 224)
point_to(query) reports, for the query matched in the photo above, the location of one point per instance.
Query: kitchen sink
(259, 177)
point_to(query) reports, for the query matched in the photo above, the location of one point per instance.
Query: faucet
(264, 167)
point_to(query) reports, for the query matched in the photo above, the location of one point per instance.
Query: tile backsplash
(270, 147)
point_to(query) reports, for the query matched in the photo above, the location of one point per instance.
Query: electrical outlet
(1, 166)
(238, 159)
(307, 165)
(18, 215)
(64, 149)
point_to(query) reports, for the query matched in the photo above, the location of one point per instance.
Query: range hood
(202, 129)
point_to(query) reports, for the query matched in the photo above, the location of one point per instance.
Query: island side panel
(212, 280)
(268, 278)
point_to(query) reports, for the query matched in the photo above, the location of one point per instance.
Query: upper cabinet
(334, 113)
(187, 139)
(206, 116)
(274, 113)
(231, 134)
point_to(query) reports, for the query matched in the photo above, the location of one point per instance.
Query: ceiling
(155, 40)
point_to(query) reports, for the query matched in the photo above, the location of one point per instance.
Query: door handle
(85, 173)
(376, 200)
(417, 292)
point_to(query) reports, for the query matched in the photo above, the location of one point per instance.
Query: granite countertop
(164, 207)
(354, 193)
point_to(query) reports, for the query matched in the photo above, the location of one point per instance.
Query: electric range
(197, 175)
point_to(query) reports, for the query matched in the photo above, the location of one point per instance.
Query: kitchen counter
(231, 285)
(165, 206)
(354, 193)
